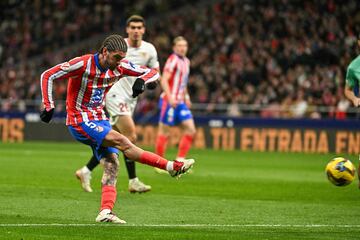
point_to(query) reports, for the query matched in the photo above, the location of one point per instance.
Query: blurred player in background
(175, 101)
(90, 78)
(120, 104)
(351, 90)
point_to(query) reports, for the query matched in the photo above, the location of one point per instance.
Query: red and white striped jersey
(88, 84)
(179, 68)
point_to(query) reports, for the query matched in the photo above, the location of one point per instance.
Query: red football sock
(108, 197)
(154, 160)
(160, 147)
(185, 145)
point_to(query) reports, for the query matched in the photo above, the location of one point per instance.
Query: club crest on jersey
(96, 98)
(65, 66)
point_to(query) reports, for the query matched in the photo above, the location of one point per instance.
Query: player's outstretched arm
(145, 75)
(60, 71)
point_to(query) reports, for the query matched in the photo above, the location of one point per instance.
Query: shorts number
(90, 125)
(123, 107)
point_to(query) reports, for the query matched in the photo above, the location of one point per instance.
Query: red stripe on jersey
(73, 89)
(100, 85)
(89, 91)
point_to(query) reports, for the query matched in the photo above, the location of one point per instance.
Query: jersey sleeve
(153, 61)
(130, 69)
(350, 77)
(61, 71)
(170, 64)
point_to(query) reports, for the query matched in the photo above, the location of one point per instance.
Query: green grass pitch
(229, 195)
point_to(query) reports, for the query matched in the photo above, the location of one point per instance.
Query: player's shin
(161, 143)
(155, 160)
(108, 195)
(93, 162)
(130, 166)
(185, 145)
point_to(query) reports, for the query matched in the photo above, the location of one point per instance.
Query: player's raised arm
(144, 75)
(60, 71)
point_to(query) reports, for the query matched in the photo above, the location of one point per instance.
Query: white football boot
(84, 175)
(107, 216)
(136, 186)
(181, 159)
(182, 167)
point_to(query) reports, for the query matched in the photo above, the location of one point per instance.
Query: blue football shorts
(173, 116)
(92, 133)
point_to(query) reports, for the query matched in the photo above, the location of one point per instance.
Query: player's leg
(108, 193)
(84, 174)
(92, 133)
(126, 126)
(162, 139)
(189, 130)
(119, 141)
(183, 116)
(161, 142)
(166, 120)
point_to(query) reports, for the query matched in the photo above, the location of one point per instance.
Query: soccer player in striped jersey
(175, 102)
(89, 79)
(120, 104)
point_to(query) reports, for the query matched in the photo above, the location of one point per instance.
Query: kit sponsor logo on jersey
(65, 66)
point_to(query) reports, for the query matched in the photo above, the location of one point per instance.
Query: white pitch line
(180, 225)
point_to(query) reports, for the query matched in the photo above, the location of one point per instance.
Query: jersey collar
(96, 56)
(181, 57)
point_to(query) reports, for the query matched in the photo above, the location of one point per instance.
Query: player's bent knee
(117, 140)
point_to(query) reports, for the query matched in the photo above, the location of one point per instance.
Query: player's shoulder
(75, 63)
(187, 59)
(83, 58)
(173, 56)
(148, 45)
(355, 64)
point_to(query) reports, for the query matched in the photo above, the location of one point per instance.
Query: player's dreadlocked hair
(114, 42)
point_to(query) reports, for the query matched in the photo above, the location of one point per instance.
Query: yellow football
(340, 171)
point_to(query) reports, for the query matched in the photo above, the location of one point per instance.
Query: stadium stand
(268, 58)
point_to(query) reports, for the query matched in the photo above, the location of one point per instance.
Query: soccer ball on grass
(340, 171)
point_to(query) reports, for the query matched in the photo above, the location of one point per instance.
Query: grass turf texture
(230, 195)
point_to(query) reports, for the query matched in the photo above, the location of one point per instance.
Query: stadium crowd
(272, 54)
